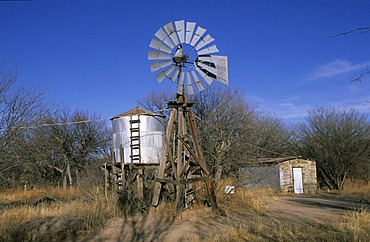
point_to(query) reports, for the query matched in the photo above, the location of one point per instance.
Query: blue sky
(92, 55)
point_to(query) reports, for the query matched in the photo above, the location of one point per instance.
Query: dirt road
(314, 208)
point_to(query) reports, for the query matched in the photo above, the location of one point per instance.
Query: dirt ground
(199, 223)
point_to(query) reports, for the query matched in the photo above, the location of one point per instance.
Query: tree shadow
(159, 225)
(330, 201)
(140, 227)
(51, 228)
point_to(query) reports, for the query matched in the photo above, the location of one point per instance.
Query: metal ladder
(135, 139)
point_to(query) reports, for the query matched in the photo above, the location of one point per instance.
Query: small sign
(229, 190)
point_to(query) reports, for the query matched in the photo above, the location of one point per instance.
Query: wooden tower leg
(166, 153)
(201, 161)
(180, 189)
(182, 156)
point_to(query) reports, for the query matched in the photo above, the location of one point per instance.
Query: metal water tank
(138, 137)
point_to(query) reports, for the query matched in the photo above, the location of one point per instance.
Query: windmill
(183, 53)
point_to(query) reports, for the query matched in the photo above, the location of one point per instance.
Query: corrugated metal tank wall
(152, 132)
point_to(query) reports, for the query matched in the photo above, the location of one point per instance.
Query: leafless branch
(358, 79)
(360, 29)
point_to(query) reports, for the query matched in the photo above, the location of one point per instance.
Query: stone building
(288, 174)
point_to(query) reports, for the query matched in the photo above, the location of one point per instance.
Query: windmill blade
(162, 36)
(155, 66)
(198, 83)
(208, 79)
(220, 64)
(208, 50)
(208, 70)
(180, 83)
(176, 67)
(189, 84)
(208, 58)
(180, 29)
(190, 26)
(204, 41)
(165, 73)
(174, 75)
(158, 55)
(170, 30)
(158, 45)
(197, 35)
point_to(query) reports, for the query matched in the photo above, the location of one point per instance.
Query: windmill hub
(179, 57)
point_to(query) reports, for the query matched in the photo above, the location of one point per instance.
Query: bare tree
(156, 102)
(231, 130)
(19, 107)
(339, 141)
(270, 136)
(73, 140)
(365, 29)
(224, 119)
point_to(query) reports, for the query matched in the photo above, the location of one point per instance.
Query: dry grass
(254, 199)
(357, 188)
(93, 209)
(90, 207)
(353, 226)
(53, 192)
(356, 225)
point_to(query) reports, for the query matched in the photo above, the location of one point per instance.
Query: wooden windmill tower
(181, 52)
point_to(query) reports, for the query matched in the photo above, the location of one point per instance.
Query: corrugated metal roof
(135, 111)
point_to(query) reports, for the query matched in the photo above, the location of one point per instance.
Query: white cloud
(335, 68)
(289, 109)
(294, 105)
(358, 103)
(294, 110)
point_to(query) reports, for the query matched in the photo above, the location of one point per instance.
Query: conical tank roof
(135, 111)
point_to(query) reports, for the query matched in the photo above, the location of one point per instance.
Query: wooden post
(123, 174)
(105, 181)
(140, 184)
